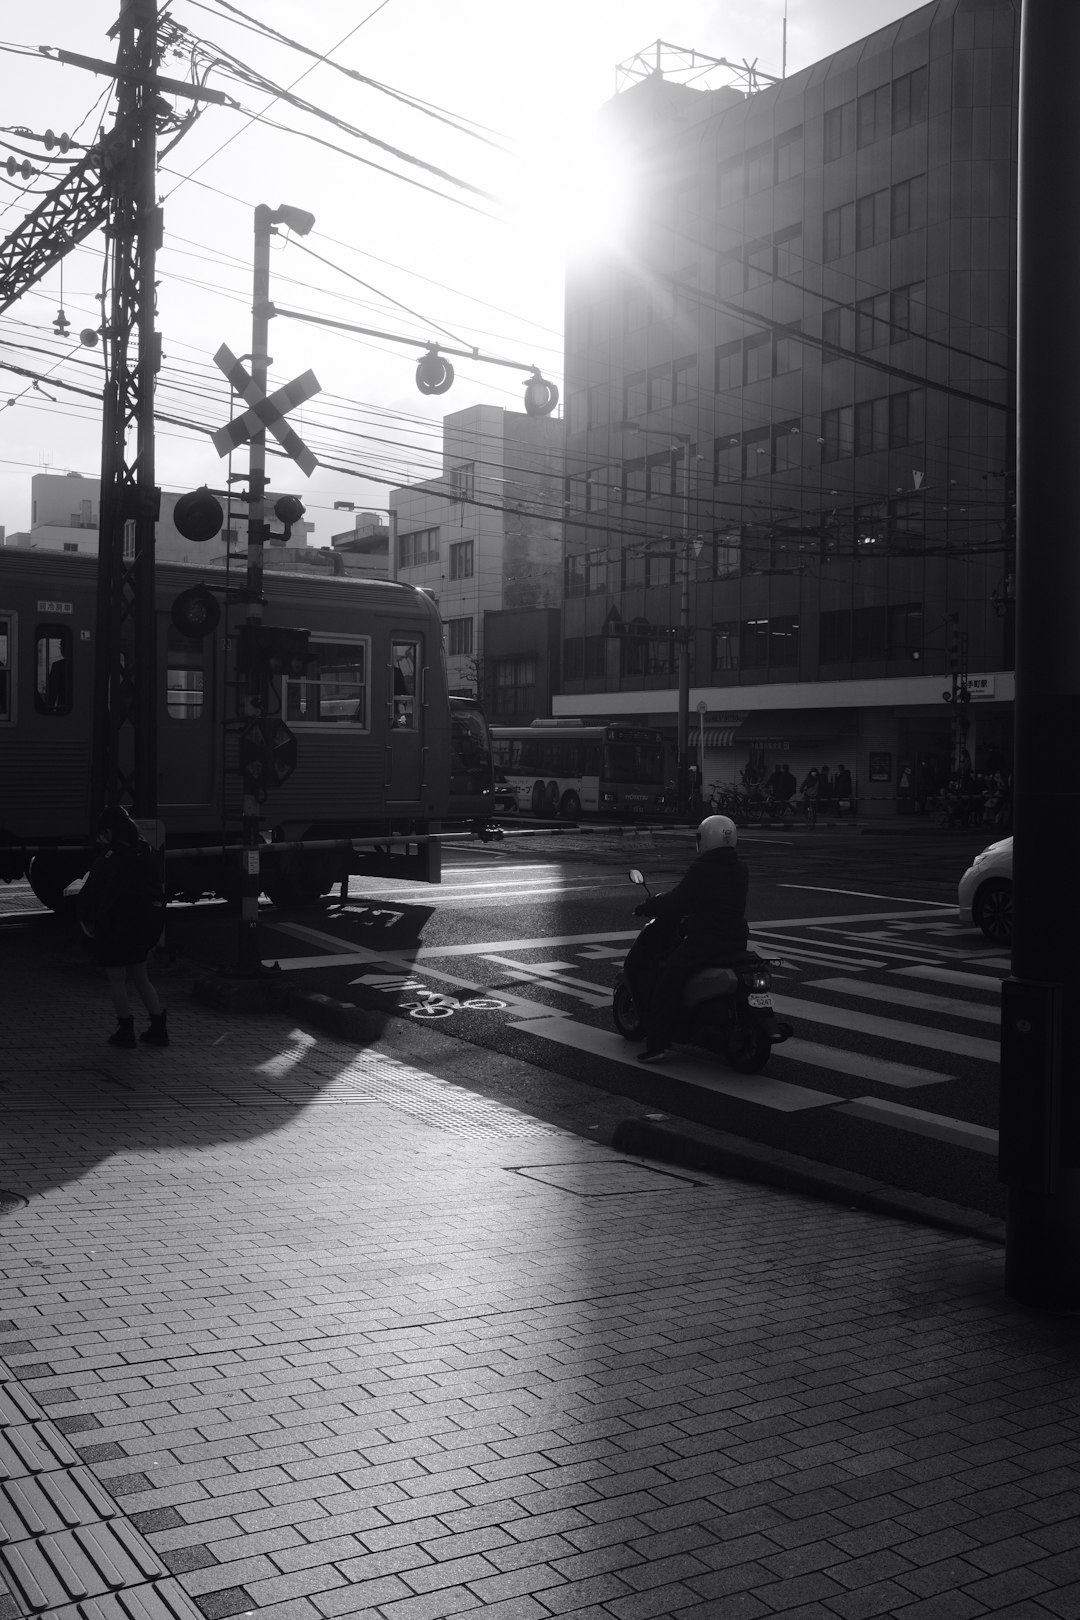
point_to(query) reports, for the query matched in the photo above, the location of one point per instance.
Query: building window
(757, 357)
(71, 545)
(872, 322)
(574, 581)
(727, 460)
(728, 366)
(459, 636)
(333, 689)
(53, 683)
(417, 547)
(759, 264)
(730, 274)
(597, 406)
(907, 418)
(659, 475)
(839, 232)
(595, 657)
(909, 100)
(596, 490)
(834, 636)
(788, 355)
(659, 394)
(907, 311)
(726, 555)
(729, 182)
(635, 396)
(596, 570)
(905, 630)
(659, 568)
(756, 452)
(838, 431)
(839, 131)
(871, 426)
(461, 559)
(786, 446)
(909, 205)
(725, 646)
(684, 380)
(635, 481)
(787, 245)
(836, 328)
(872, 219)
(759, 168)
(635, 309)
(514, 685)
(869, 631)
(872, 116)
(871, 527)
(754, 644)
(789, 154)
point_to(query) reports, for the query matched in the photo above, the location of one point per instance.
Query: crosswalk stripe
(837, 1061)
(968, 981)
(891, 1029)
(901, 997)
(699, 1069)
(940, 1126)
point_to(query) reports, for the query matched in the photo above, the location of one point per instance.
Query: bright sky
(488, 275)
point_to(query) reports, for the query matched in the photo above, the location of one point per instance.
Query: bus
(472, 786)
(568, 768)
(369, 718)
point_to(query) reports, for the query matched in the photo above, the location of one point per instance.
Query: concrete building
(64, 513)
(486, 538)
(365, 548)
(795, 382)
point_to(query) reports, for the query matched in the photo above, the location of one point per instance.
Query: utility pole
(124, 749)
(1040, 1025)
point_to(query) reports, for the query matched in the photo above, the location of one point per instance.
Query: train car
(370, 715)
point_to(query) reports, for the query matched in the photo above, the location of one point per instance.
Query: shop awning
(720, 736)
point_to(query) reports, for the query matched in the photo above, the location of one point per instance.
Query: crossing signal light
(274, 649)
(198, 515)
(952, 643)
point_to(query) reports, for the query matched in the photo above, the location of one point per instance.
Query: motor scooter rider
(710, 901)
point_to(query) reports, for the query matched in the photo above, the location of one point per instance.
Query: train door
(406, 719)
(188, 744)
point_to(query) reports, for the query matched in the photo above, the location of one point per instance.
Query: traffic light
(271, 649)
(288, 509)
(434, 373)
(195, 613)
(541, 397)
(198, 515)
(953, 659)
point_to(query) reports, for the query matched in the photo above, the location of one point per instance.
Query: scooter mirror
(636, 876)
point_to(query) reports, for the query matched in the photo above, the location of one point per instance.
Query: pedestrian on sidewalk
(122, 909)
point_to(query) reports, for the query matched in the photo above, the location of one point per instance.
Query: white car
(985, 892)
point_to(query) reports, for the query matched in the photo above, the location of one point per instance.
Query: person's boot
(155, 1034)
(124, 1033)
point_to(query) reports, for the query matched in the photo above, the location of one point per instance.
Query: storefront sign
(881, 767)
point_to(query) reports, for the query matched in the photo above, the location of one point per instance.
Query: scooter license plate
(759, 998)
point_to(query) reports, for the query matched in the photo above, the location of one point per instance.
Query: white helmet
(717, 832)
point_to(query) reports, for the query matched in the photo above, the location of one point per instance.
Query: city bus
(568, 768)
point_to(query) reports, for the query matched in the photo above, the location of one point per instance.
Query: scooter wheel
(749, 1049)
(625, 1016)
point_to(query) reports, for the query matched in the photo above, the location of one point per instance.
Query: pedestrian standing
(122, 908)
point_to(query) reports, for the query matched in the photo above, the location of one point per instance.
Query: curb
(698, 1147)
(276, 992)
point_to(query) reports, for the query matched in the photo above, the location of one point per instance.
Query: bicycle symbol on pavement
(434, 1004)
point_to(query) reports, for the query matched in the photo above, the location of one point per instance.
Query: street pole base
(1042, 1245)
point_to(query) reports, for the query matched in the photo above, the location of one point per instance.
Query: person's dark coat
(121, 904)
(711, 898)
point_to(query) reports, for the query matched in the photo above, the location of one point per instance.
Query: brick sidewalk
(292, 1328)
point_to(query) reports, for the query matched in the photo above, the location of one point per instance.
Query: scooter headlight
(759, 981)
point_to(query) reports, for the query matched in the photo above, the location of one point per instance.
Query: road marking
(549, 973)
(862, 894)
(806, 948)
(969, 981)
(890, 1029)
(296, 964)
(698, 1071)
(898, 996)
(944, 1129)
(544, 942)
(837, 1061)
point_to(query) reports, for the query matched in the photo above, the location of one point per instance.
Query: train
(380, 751)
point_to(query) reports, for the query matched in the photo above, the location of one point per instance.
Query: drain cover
(605, 1178)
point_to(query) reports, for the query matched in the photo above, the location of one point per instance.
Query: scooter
(727, 1010)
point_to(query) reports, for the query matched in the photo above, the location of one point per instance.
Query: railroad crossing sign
(266, 411)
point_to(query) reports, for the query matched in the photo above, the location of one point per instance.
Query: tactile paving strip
(65, 1546)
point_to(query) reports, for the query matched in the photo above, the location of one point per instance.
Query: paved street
(302, 1327)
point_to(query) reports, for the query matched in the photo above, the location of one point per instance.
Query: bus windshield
(634, 762)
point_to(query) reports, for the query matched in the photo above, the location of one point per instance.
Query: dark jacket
(712, 899)
(121, 904)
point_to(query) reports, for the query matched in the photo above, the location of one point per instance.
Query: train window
(52, 666)
(403, 662)
(335, 689)
(7, 637)
(184, 680)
